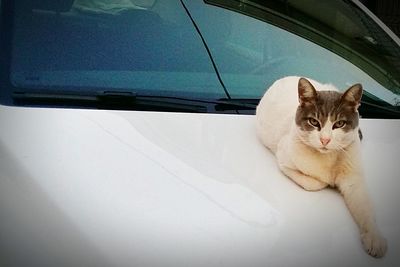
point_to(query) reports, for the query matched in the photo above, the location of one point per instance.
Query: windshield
(196, 50)
(121, 45)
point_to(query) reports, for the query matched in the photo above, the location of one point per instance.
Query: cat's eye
(339, 124)
(313, 122)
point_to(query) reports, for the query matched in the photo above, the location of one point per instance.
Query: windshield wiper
(115, 100)
(126, 100)
(224, 104)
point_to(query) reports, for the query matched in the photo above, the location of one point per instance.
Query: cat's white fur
(303, 158)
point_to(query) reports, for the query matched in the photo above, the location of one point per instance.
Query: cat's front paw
(313, 185)
(374, 244)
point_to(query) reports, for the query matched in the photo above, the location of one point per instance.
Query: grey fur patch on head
(324, 105)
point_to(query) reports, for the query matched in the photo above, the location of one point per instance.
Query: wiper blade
(223, 104)
(104, 100)
(127, 100)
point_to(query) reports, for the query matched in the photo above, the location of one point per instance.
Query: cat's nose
(325, 140)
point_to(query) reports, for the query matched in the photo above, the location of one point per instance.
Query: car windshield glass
(189, 50)
(340, 43)
(123, 45)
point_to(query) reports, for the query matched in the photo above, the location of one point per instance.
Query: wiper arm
(126, 100)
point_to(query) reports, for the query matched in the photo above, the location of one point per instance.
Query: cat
(313, 130)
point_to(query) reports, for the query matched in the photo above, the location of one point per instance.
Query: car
(128, 132)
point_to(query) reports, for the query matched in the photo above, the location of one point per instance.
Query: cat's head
(327, 120)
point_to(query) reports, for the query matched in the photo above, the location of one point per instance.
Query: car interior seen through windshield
(192, 56)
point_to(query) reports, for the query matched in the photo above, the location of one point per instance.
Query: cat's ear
(307, 92)
(352, 96)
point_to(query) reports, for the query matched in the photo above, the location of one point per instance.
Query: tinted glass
(95, 45)
(345, 44)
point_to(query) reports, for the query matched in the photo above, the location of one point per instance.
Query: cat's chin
(325, 150)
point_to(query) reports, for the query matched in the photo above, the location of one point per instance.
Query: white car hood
(119, 188)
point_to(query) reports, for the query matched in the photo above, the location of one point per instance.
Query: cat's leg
(287, 167)
(307, 182)
(356, 198)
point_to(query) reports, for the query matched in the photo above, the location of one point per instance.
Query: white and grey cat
(313, 131)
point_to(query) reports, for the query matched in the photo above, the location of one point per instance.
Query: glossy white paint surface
(102, 188)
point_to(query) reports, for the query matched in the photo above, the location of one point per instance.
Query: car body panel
(83, 187)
